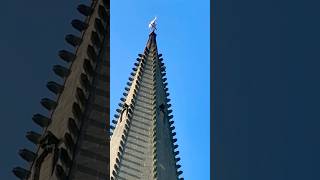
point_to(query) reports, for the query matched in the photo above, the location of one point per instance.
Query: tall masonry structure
(143, 140)
(74, 143)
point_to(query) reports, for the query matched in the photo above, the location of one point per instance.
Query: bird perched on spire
(153, 25)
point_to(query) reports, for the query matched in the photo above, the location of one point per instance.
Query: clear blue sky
(183, 38)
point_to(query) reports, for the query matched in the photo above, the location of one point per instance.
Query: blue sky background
(183, 39)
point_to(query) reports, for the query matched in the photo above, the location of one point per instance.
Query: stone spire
(74, 144)
(143, 143)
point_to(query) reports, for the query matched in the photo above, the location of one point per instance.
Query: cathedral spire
(143, 143)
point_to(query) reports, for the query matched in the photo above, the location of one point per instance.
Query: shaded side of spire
(152, 42)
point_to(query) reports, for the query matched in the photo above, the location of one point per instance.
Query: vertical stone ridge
(154, 129)
(91, 154)
(57, 145)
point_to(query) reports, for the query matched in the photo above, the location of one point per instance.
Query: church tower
(74, 143)
(143, 143)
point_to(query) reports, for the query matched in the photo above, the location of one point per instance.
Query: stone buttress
(74, 144)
